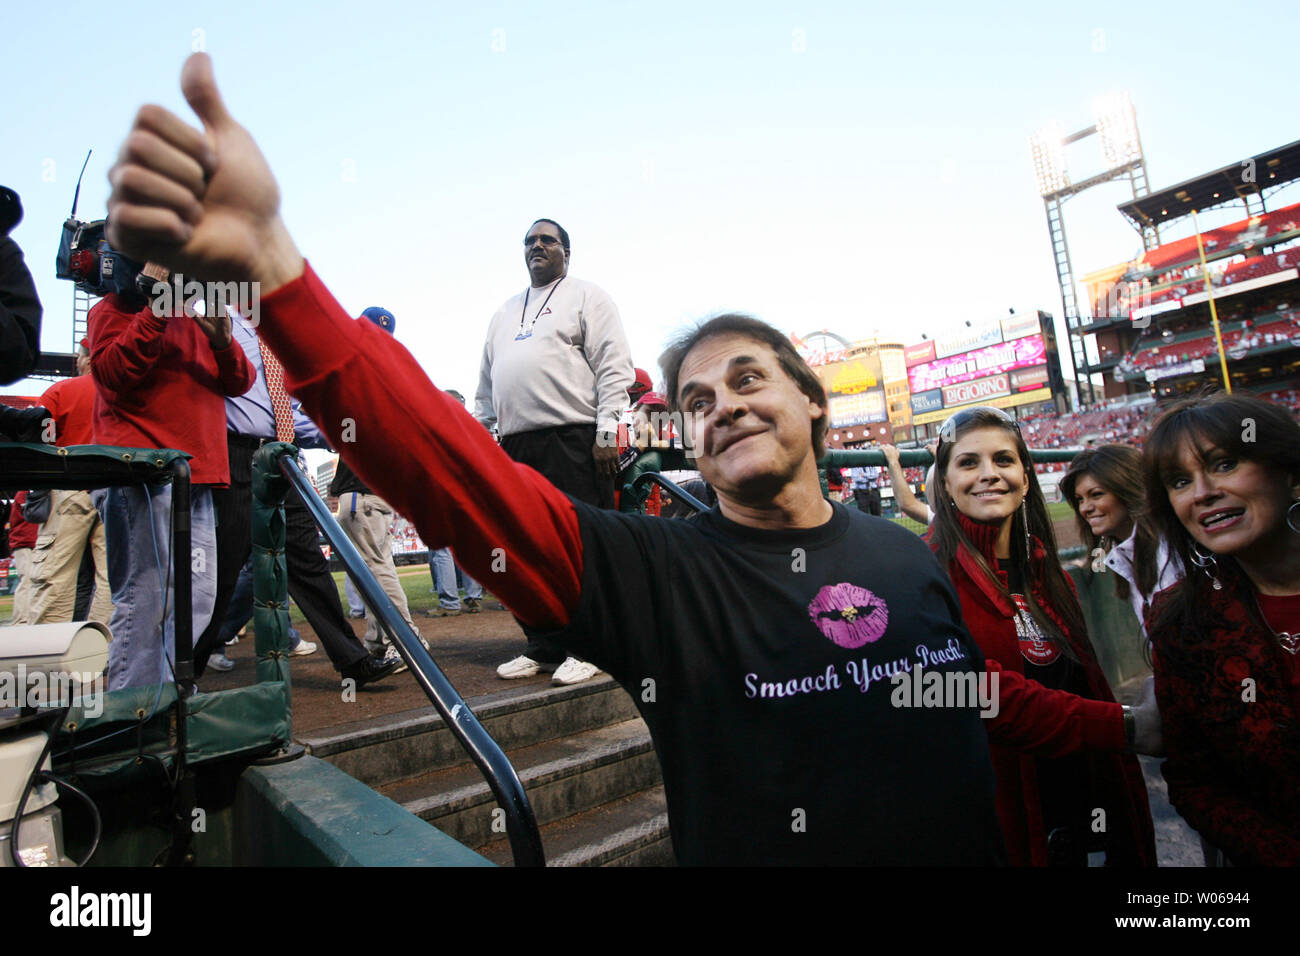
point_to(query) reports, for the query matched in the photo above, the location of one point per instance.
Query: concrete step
(389, 749)
(563, 777)
(629, 831)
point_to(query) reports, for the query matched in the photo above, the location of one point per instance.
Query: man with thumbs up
(692, 618)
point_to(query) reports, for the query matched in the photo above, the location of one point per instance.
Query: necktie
(280, 405)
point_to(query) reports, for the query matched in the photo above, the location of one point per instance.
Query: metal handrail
(521, 824)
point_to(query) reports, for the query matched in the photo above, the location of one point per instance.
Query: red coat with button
(1069, 723)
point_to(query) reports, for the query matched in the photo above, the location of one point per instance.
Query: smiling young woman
(992, 533)
(1105, 488)
(1223, 479)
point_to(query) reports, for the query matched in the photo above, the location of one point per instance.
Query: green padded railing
(151, 737)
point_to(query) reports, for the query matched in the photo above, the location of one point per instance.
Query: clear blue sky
(848, 166)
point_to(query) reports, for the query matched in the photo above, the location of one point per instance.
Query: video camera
(94, 266)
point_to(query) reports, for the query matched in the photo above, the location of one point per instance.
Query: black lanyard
(540, 310)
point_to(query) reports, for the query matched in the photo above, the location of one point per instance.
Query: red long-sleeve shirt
(72, 406)
(1038, 721)
(160, 384)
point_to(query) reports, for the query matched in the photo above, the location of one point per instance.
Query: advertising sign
(1018, 326)
(916, 354)
(868, 406)
(1022, 353)
(995, 386)
(1169, 371)
(851, 378)
(930, 401)
(977, 335)
(1007, 401)
(1026, 379)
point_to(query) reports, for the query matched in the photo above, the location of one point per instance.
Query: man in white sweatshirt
(556, 368)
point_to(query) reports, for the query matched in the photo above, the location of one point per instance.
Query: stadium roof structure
(1270, 170)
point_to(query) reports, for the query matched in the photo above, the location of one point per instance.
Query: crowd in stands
(1277, 225)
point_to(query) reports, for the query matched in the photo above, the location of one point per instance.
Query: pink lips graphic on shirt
(849, 615)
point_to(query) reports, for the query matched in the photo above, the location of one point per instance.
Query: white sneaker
(390, 654)
(303, 649)
(521, 666)
(220, 662)
(574, 671)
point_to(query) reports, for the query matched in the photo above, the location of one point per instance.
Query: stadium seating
(1183, 253)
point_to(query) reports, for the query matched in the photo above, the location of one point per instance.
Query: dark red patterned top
(1230, 725)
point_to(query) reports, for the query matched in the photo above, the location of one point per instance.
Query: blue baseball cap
(381, 317)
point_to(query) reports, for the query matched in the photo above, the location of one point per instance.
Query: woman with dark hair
(1105, 488)
(1073, 791)
(1223, 479)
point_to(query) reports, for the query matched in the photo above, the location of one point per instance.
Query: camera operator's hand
(200, 203)
(216, 328)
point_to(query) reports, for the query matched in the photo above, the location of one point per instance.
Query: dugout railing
(644, 472)
(521, 825)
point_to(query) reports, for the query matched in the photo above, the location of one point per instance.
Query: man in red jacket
(73, 523)
(161, 382)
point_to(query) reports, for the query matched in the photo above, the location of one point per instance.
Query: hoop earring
(1289, 511)
(1207, 563)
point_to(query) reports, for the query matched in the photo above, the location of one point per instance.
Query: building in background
(866, 387)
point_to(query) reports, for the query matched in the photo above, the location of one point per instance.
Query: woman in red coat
(1223, 479)
(991, 530)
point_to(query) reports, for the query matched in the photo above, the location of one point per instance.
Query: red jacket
(22, 533)
(160, 384)
(72, 406)
(1230, 726)
(1092, 724)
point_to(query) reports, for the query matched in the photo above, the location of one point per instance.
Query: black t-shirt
(747, 652)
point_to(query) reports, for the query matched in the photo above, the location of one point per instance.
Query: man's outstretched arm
(207, 204)
(419, 449)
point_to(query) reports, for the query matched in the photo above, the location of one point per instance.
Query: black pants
(867, 500)
(85, 584)
(310, 582)
(563, 455)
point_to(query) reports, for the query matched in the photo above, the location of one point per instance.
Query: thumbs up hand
(204, 204)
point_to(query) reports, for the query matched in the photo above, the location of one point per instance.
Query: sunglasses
(948, 430)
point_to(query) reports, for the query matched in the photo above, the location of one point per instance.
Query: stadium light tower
(1115, 123)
